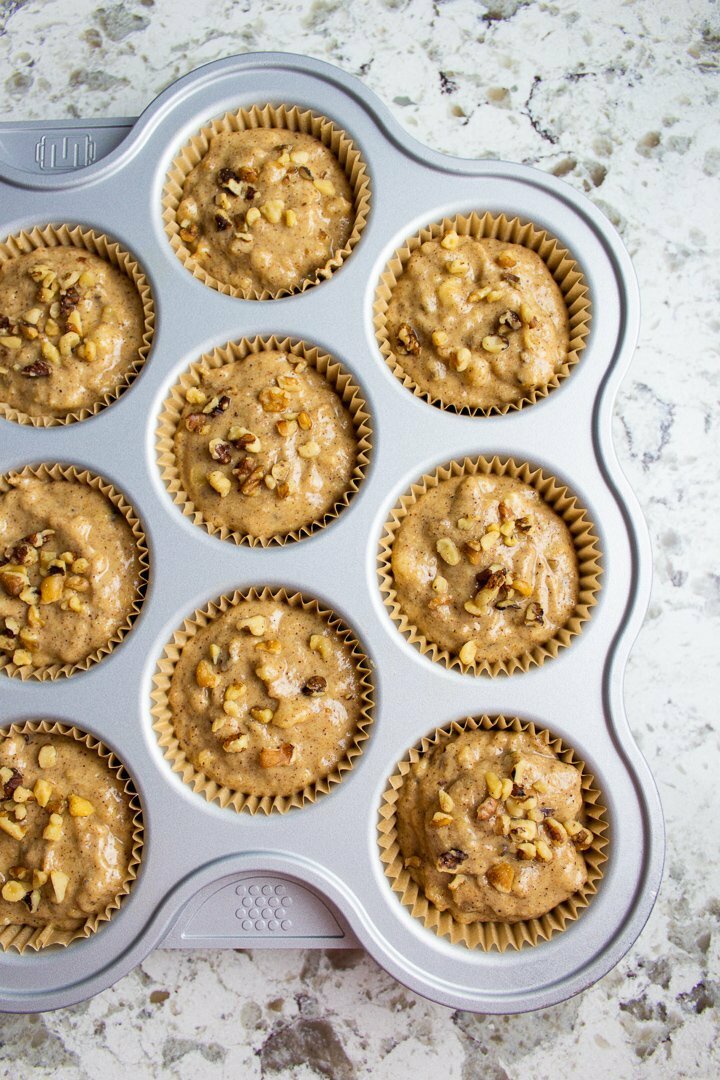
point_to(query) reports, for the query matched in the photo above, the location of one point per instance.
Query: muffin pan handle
(43, 148)
(259, 911)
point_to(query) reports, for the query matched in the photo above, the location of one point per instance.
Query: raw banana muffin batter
(266, 698)
(71, 327)
(484, 567)
(477, 323)
(69, 571)
(490, 826)
(265, 445)
(265, 209)
(66, 832)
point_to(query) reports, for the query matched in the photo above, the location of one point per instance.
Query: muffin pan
(211, 877)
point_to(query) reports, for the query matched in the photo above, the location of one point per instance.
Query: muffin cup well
(21, 938)
(284, 117)
(98, 244)
(493, 935)
(565, 505)
(163, 720)
(559, 262)
(235, 352)
(84, 476)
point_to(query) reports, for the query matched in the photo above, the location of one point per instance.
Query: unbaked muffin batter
(265, 209)
(484, 567)
(490, 826)
(71, 326)
(266, 698)
(265, 445)
(477, 323)
(65, 832)
(69, 571)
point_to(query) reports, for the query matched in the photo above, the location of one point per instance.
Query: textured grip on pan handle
(259, 910)
(60, 146)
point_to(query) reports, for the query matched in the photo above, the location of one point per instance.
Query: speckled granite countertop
(622, 100)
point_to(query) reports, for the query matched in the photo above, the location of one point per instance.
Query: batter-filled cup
(71, 835)
(263, 700)
(482, 315)
(492, 833)
(264, 441)
(74, 570)
(266, 201)
(489, 566)
(77, 321)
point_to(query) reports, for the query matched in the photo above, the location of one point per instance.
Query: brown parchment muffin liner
(561, 500)
(233, 352)
(559, 262)
(84, 476)
(289, 118)
(491, 935)
(163, 719)
(98, 244)
(35, 938)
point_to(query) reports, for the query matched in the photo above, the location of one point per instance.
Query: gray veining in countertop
(621, 99)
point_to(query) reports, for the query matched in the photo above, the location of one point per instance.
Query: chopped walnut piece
(38, 370)
(272, 758)
(79, 807)
(220, 451)
(205, 676)
(407, 340)
(534, 614)
(197, 423)
(447, 550)
(451, 859)
(441, 820)
(487, 809)
(501, 876)
(316, 684)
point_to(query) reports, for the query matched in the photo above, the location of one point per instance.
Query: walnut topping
(205, 676)
(494, 784)
(11, 782)
(494, 344)
(468, 652)
(217, 405)
(220, 451)
(501, 876)
(79, 807)
(316, 684)
(451, 859)
(446, 801)
(219, 482)
(272, 758)
(534, 614)
(447, 550)
(197, 423)
(274, 399)
(40, 369)
(440, 820)
(407, 340)
(509, 320)
(487, 809)
(555, 830)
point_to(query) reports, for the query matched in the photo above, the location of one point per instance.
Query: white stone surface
(620, 98)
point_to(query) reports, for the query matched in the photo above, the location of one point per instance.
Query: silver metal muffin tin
(212, 878)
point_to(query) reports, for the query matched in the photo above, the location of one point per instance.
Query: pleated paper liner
(492, 935)
(163, 720)
(98, 244)
(559, 262)
(236, 352)
(116, 497)
(282, 118)
(566, 506)
(22, 938)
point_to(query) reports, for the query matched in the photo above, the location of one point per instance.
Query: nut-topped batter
(265, 209)
(477, 323)
(484, 567)
(66, 832)
(69, 571)
(71, 327)
(265, 445)
(266, 698)
(491, 826)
